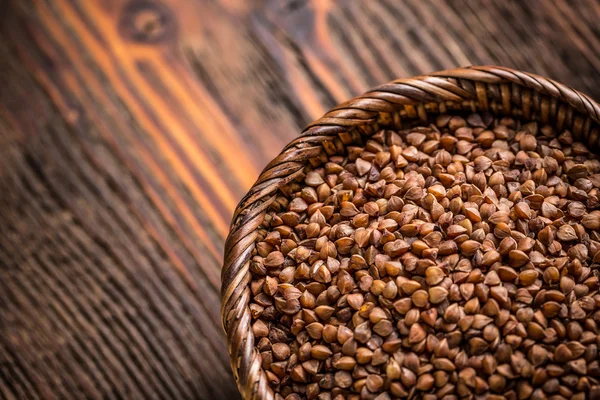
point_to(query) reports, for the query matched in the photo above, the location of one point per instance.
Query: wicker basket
(499, 90)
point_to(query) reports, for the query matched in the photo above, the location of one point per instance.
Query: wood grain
(130, 129)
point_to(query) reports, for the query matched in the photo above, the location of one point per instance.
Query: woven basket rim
(480, 88)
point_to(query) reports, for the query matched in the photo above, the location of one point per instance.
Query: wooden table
(130, 129)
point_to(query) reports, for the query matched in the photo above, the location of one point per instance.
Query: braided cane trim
(496, 89)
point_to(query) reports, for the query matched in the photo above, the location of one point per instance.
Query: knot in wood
(147, 22)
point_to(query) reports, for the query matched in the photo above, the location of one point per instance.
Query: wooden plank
(130, 129)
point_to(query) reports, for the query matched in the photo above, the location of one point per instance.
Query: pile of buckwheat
(454, 260)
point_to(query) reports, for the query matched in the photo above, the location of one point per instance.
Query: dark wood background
(130, 129)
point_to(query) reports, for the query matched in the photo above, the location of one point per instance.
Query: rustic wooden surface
(129, 130)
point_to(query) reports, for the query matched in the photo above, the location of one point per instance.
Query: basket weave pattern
(501, 91)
